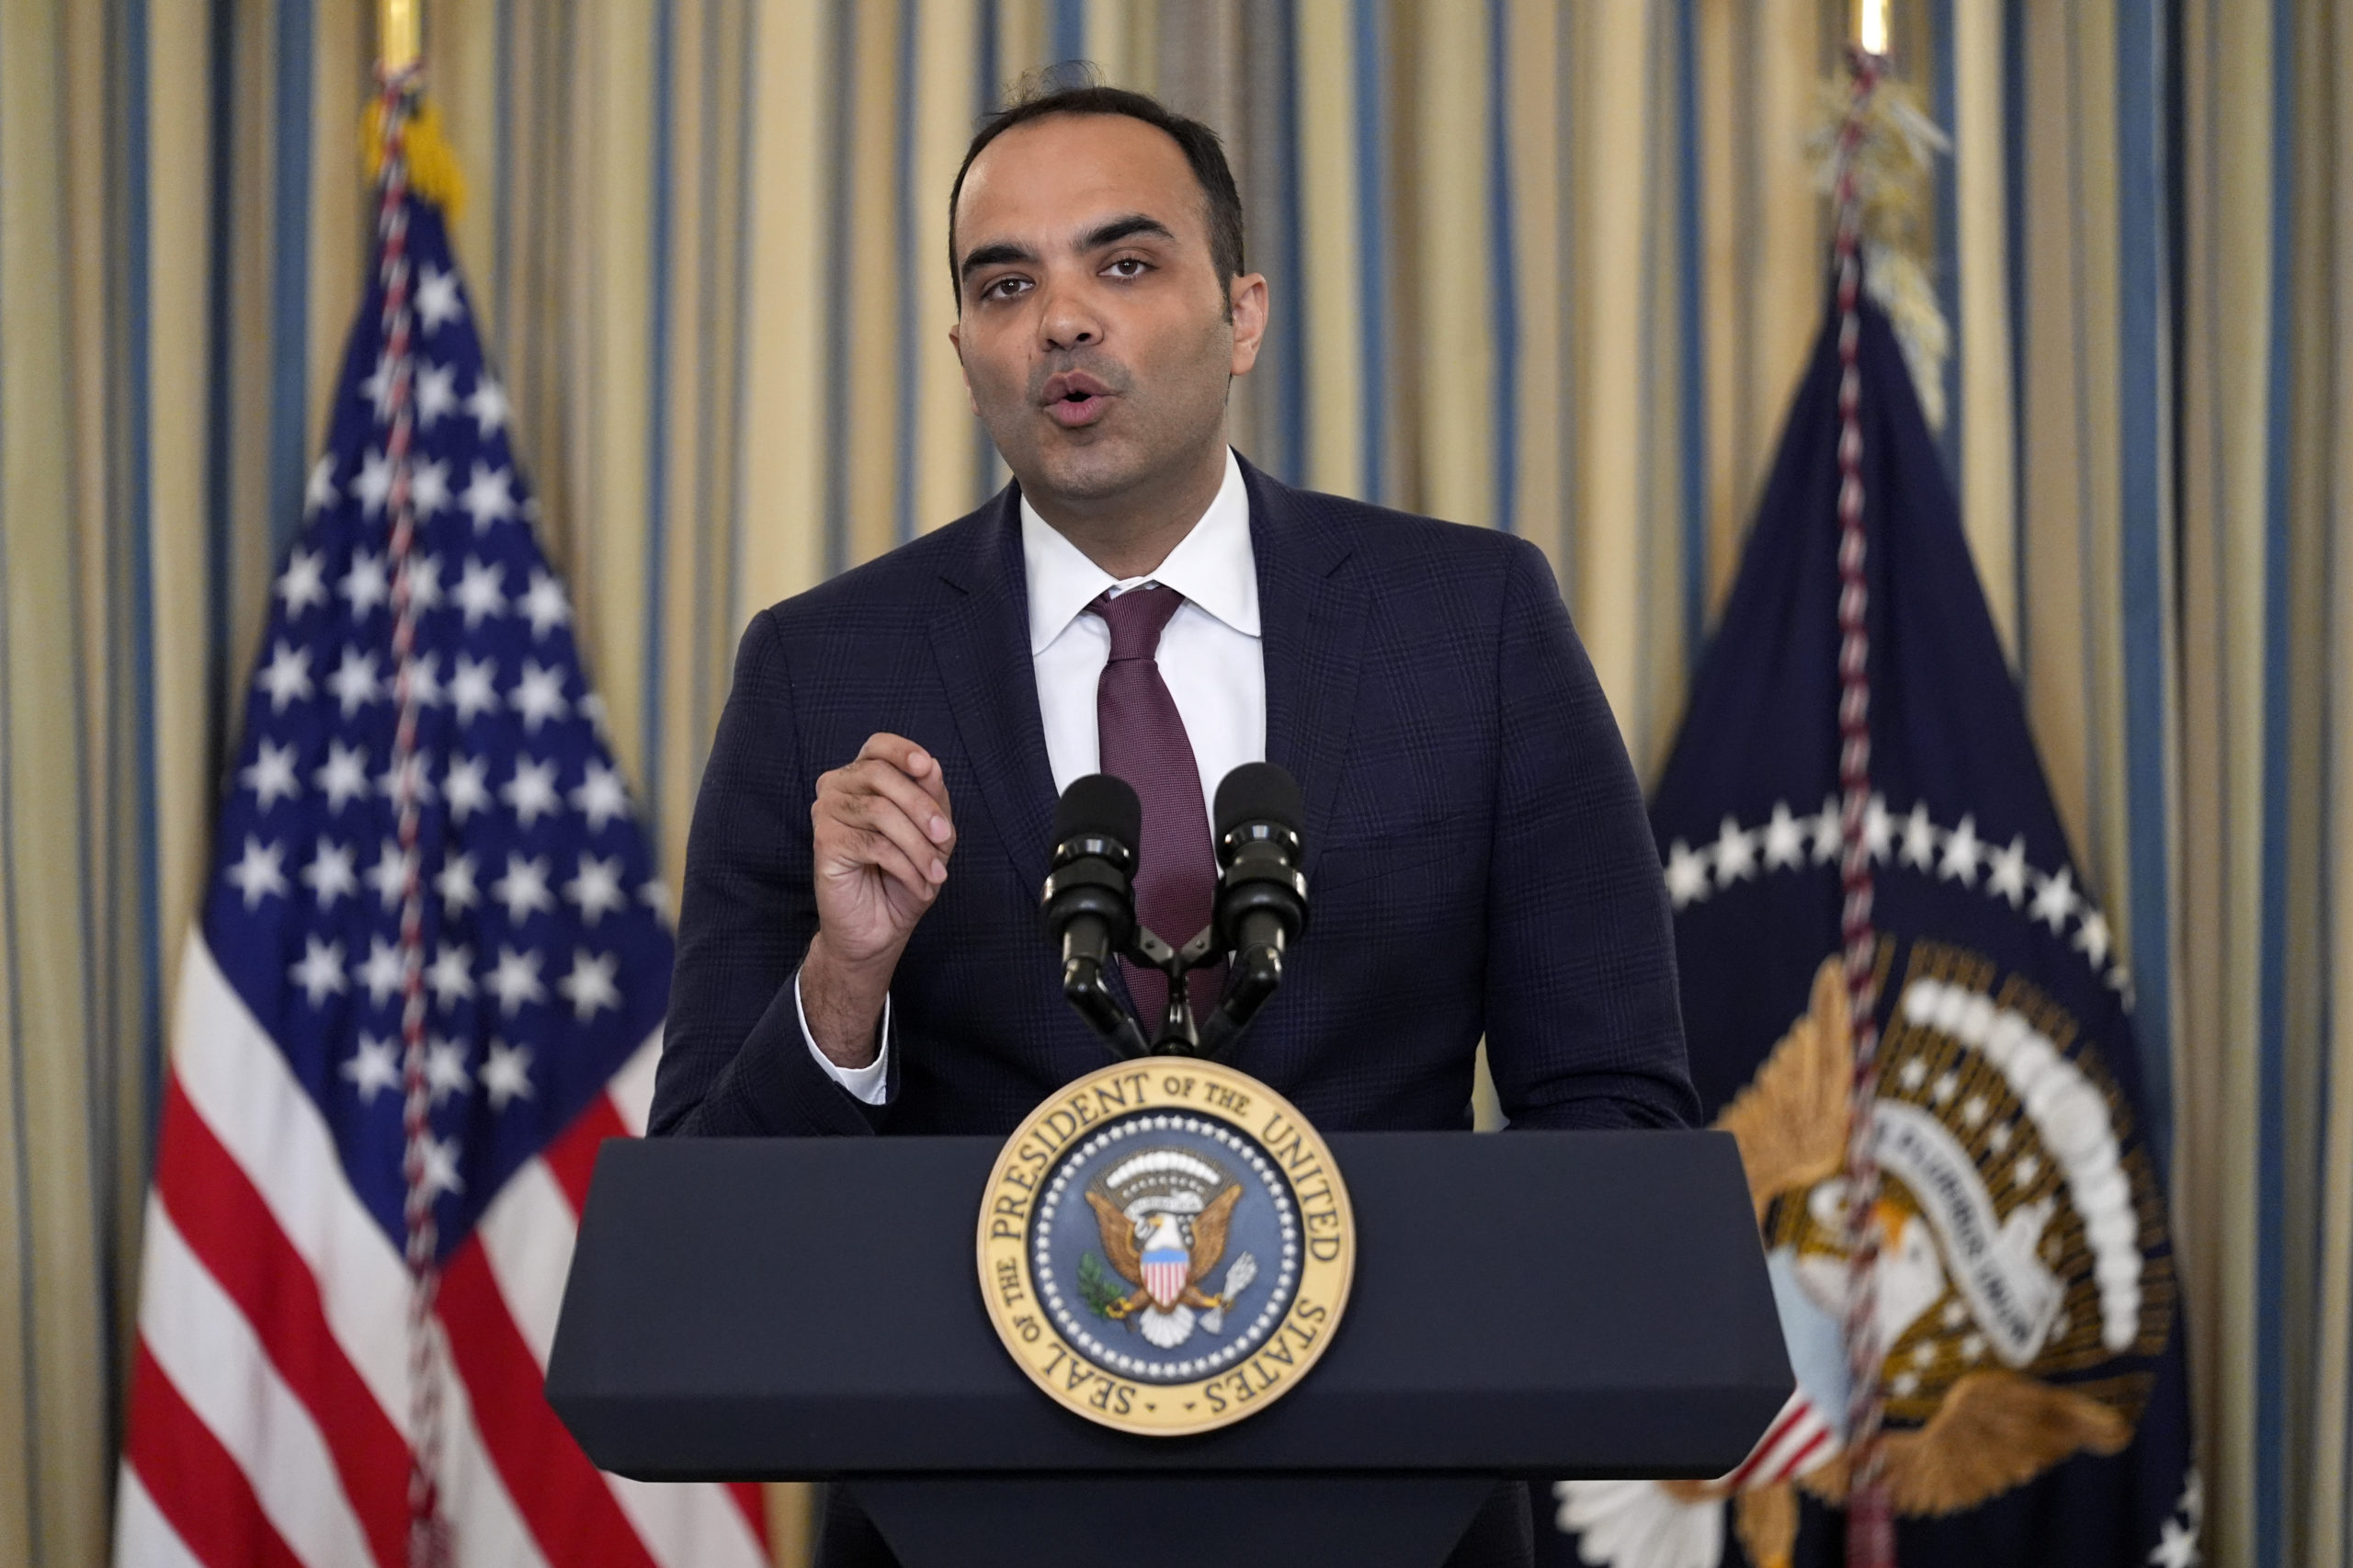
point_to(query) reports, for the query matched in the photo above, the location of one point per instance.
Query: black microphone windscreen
(1103, 806)
(1258, 791)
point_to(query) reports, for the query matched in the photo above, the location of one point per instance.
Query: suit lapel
(980, 639)
(1311, 615)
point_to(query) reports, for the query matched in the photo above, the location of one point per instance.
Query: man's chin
(1087, 471)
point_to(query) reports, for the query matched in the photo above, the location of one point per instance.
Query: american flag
(428, 980)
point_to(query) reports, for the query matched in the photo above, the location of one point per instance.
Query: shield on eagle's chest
(1165, 1268)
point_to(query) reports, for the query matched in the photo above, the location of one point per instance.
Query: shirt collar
(1212, 566)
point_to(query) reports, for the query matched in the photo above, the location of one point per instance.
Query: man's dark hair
(1199, 144)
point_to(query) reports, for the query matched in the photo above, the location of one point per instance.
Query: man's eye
(1005, 288)
(1128, 266)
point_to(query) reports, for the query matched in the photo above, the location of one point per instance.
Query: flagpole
(1870, 1524)
(400, 30)
(429, 1543)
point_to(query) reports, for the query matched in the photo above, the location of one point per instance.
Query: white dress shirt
(1210, 655)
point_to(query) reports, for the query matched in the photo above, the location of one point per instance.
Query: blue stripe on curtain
(19, 1132)
(1070, 31)
(708, 477)
(290, 391)
(1943, 107)
(219, 450)
(100, 1068)
(837, 282)
(990, 95)
(2270, 1500)
(657, 403)
(1692, 328)
(739, 393)
(138, 317)
(1372, 241)
(989, 69)
(911, 265)
(1503, 281)
(2144, 537)
(1289, 280)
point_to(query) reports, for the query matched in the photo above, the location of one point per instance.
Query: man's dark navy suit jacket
(1477, 858)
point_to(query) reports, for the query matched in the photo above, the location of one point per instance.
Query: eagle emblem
(2016, 1259)
(1163, 1214)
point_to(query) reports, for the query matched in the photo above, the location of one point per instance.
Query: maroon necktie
(1142, 739)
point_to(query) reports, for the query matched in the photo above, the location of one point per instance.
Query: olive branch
(1096, 1285)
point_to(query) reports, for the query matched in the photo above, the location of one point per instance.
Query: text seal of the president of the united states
(1166, 1247)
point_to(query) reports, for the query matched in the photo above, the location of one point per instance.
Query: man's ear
(1248, 295)
(956, 342)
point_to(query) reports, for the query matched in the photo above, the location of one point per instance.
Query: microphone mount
(1261, 906)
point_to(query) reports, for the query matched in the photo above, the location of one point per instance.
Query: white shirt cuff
(870, 1083)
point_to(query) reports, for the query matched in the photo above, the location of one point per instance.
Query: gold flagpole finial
(400, 34)
(1871, 25)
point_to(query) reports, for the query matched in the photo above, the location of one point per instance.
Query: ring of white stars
(1787, 842)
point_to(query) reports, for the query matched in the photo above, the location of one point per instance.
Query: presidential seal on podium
(1166, 1247)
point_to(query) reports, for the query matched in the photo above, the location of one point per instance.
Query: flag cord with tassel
(1871, 1528)
(428, 1541)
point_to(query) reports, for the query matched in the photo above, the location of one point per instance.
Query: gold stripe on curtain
(53, 1438)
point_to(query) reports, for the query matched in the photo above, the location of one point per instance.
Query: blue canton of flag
(547, 961)
(2026, 1309)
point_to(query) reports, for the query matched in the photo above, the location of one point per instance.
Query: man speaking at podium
(859, 948)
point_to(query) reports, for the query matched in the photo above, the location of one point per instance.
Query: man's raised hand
(884, 832)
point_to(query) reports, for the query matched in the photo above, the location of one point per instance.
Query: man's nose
(1067, 322)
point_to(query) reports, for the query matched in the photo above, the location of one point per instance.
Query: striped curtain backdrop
(1536, 265)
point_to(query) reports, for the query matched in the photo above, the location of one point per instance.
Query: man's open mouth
(1073, 398)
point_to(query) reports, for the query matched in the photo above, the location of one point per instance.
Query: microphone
(1089, 899)
(1261, 895)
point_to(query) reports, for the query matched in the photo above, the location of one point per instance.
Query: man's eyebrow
(1118, 229)
(995, 256)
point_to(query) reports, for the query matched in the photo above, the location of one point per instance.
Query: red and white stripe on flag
(270, 1392)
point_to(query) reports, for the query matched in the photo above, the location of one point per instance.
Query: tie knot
(1136, 618)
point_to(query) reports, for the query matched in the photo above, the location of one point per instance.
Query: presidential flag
(2027, 1329)
(429, 978)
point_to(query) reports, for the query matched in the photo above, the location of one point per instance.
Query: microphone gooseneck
(1089, 899)
(1261, 896)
